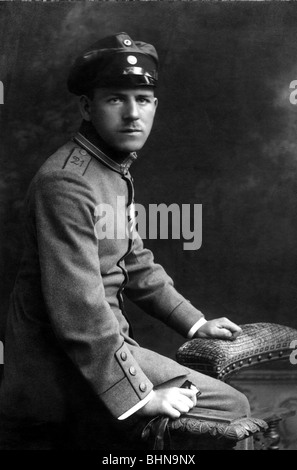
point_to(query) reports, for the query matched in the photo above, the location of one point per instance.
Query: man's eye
(143, 100)
(114, 100)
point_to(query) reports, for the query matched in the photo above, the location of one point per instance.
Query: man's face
(123, 117)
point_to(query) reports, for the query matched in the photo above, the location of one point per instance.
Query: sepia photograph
(148, 243)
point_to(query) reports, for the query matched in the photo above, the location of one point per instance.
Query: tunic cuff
(137, 407)
(196, 327)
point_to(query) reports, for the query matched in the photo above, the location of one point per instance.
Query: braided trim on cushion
(258, 343)
(236, 430)
(161, 431)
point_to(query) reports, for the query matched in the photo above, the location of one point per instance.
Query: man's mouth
(131, 131)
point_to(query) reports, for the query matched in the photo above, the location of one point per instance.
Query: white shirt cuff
(137, 406)
(196, 327)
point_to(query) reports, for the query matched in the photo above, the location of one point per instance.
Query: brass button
(142, 387)
(132, 370)
(123, 356)
(127, 42)
(83, 152)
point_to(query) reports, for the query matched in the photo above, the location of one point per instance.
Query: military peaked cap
(114, 61)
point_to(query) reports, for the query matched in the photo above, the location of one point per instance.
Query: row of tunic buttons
(132, 371)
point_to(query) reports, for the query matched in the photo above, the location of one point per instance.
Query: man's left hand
(220, 328)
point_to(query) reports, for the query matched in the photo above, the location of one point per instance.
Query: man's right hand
(219, 328)
(170, 402)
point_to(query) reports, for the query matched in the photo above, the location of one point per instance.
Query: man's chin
(129, 148)
(130, 144)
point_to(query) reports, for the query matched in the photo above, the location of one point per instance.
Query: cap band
(124, 80)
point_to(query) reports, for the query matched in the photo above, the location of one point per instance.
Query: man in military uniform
(73, 373)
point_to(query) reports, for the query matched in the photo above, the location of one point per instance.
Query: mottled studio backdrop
(225, 136)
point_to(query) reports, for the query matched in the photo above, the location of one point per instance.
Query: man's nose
(131, 110)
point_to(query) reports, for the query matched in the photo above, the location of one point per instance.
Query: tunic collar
(88, 138)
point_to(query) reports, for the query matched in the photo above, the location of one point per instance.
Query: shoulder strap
(78, 161)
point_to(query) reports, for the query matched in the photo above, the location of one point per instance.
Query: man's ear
(85, 107)
(156, 103)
